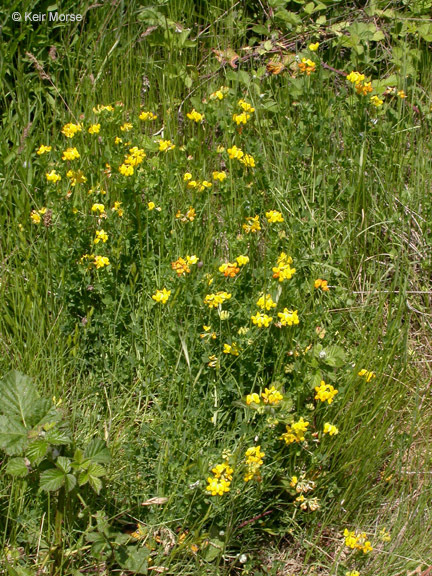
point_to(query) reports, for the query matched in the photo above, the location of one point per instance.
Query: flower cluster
(215, 300)
(220, 482)
(182, 266)
(357, 541)
(283, 271)
(254, 460)
(325, 392)
(295, 431)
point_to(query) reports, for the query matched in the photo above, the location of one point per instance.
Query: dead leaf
(155, 500)
(227, 56)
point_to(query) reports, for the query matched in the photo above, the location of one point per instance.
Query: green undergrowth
(222, 311)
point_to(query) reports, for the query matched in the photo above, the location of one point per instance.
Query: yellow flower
(231, 349)
(98, 208)
(101, 261)
(147, 116)
(313, 47)
(261, 320)
(271, 396)
(126, 127)
(118, 140)
(242, 260)
(214, 300)
(241, 118)
(219, 176)
(187, 176)
(253, 398)
(355, 77)
(165, 145)
(70, 154)
(330, 429)
(43, 149)
(235, 153)
(116, 208)
(180, 266)
(219, 94)
(229, 270)
(283, 271)
(192, 259)
(69, 130)
(218, 487)
(363, 89)
(321, 284)
(376, 101)
(401, 94)
(288, 317)
(245, 106)
(307, 66)
(253, 225)
(265, 302)
(274, 216)
(35, 217)
(195, 116)
(135, 157)
(76, 177)
(248, 161)
(368, 375)
(294, 481)
(213, 361)
(162, 295)
(100, 108)
(100, 235)
(126, 169)
(325, 392)
(53, 176)
(151, 205)
(254, 460)
(295, 431)
(223, 470)
(352, 573)
(94, 129)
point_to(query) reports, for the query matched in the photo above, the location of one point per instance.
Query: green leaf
(52, 480)
(95, 483)
(21, 400)
(97, 451)
(13, 436)
(70, 482)
(133, 559)
(37, 450)
(63, 464)
(17, 467)
(57, 437)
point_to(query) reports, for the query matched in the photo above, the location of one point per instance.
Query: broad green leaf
(52, 480)
(63, 464)
(133, 559)
(36, 451)
(13, 436)
(70, 482)
(17, 467)
(21, 400)
(57, 437)
(97, 451)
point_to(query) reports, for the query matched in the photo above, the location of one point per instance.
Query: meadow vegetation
(215, 288)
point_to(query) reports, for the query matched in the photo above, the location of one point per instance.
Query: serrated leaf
(52, 480)
(37, 450)
(20, 399)
(13, 436)
(57, 437)
(63, 464)
(95, 483)
(97, 451)
(17, 467)
(70, 482)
